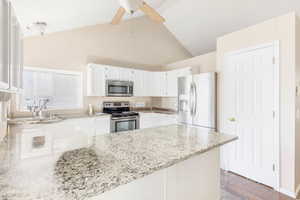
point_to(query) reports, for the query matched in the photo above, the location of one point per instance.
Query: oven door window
(117, 89)
(125, 125)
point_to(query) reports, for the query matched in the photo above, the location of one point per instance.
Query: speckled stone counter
(71, 167)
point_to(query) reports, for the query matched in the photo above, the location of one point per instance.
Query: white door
(249, 81)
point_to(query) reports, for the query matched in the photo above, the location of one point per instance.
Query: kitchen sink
(34, 120)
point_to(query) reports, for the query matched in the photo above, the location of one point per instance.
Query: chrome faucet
(37, 107)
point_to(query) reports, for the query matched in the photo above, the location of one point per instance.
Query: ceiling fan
(131, 6)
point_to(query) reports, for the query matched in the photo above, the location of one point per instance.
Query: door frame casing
(276, 74)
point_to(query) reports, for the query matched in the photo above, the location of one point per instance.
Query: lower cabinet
(149, 120)
(102, 125)
(46, 139)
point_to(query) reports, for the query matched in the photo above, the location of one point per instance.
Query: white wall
(283, 29)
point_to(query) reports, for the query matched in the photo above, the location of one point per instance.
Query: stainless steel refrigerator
(197, 100)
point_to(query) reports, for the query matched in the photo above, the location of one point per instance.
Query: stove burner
(118, 109)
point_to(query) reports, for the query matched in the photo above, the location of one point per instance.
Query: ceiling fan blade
(118, 17)
(152, 13)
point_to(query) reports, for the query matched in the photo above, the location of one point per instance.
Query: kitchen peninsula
(163, 163)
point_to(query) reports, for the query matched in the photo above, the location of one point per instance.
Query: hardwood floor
(235, 187)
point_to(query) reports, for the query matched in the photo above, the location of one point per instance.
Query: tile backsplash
(164, 102)
(97, 102)
(137, 102)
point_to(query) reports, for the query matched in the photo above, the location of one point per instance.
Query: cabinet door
(112, 73)
(15, 52)
(95, 80)
(159, 84)
(139, 83)
(172, 84)
(4, 44)
(148, 84)
(102, 125)
(163, 84)
(126, 74)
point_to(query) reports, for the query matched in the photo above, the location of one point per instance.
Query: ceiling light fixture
(38, 26)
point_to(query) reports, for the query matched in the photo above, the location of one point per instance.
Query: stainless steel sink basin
(35, 120)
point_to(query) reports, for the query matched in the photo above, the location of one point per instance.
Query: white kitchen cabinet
(139, 83)
(11, 49)
(4, 44)
(112, 73)
(102, 125)
(149, 120)
(146, 83)
(126, 74)
(159, 84)
(15, 53)
(119, 73)
(172, 85)
(59, 137)
(95, 80)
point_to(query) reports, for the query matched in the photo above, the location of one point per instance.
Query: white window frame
(67, 72)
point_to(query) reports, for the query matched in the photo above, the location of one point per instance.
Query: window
(62, 89)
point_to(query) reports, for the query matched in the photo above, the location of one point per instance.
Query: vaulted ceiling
(195, 23)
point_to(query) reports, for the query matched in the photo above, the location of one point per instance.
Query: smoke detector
(37, 27)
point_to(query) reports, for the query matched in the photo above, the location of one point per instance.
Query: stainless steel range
(122, 119)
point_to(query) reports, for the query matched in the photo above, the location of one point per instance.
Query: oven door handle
(124, 119)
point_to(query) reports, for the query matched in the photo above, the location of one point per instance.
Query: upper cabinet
(159, 84)
(96, 77)
(171, 79)
(16, 53)
(11, 49)
(146, 83)
(4, 44)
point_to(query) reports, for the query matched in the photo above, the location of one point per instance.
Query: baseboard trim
(288, 193)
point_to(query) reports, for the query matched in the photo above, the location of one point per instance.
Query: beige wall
(202, 63)
(139, 42)
(282, 29)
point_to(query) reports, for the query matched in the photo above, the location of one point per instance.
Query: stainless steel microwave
(119, 88)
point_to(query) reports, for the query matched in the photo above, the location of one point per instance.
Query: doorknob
(232, 119)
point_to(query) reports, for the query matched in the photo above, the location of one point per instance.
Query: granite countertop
(57, 118)
(77, 167)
